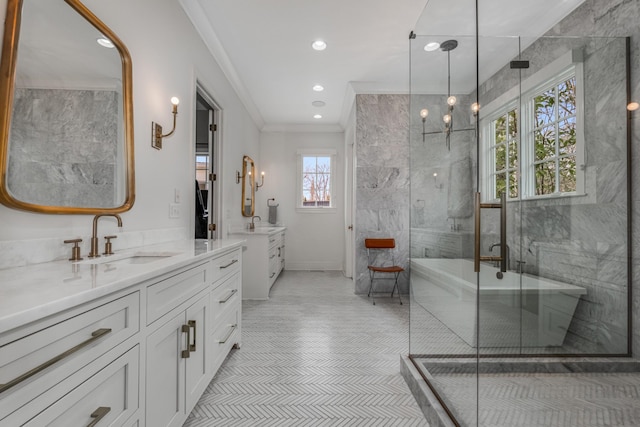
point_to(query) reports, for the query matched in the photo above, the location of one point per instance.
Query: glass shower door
(443, 323)
(549, 134)
(553, 137)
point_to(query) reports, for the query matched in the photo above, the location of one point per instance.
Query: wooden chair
(373, 246)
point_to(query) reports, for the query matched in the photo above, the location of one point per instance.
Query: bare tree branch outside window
(316, 181)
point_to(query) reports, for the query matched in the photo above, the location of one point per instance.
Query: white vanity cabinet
(140, 355)
(263, 260)
(180, 351)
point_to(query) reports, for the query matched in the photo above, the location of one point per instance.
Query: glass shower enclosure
(520, 229)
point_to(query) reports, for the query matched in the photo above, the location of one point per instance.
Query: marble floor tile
(314, 354)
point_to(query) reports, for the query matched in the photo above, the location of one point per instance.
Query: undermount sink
(135, 258)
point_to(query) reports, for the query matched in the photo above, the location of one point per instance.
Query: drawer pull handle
(95, 335)
(272, 274)
(192, 324)
(272, 256)
(231, 329)
(186, 329)
(229, 265)
(232, 293)
(99, 414)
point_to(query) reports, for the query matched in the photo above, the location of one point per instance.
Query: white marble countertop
(35, 291)
(268, 230)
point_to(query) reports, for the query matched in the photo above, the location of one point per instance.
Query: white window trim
(313, 153)
(522, 97)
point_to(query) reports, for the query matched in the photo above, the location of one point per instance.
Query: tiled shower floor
(519, 399)
(538, 392)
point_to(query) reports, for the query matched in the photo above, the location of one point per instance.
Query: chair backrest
(380, 243)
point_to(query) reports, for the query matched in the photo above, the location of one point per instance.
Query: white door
(349, 204)
(196, 366)
(165, 374)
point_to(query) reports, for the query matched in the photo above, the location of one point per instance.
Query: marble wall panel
(583, 240)
(382, 182)
(69, 153)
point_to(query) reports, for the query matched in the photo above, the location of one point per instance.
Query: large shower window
(537, 153)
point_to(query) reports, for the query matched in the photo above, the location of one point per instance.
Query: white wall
(314, 241)
(168, 57)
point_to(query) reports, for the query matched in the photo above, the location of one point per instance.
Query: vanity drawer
(224, 297)
(108, 398)
(33, 364)
(225, 334)
(167, 294)
(225, 265)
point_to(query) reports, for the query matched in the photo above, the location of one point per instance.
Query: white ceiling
(264, 47)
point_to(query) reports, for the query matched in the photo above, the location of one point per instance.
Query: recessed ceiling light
(318, 88)
(318, 103)
(317, 116)
(319, 45)
(431, 46)
(105, 42)
(633, 106)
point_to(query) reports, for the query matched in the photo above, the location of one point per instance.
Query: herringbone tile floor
(314, 354)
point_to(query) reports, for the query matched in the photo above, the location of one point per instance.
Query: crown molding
(197, 16)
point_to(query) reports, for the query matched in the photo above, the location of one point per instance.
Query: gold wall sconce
(261, 181)
(156, 129)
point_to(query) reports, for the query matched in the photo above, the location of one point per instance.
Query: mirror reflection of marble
(66, 104)
(248, 186)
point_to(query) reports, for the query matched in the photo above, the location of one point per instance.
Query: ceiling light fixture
(105, 42)
(318, 103)
(318, 88)
(633, 106)
(319, 45)
(430, 47)
(447, 118)
(317, 116)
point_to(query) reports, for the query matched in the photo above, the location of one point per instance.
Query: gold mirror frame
(248, 178)
(7, 80)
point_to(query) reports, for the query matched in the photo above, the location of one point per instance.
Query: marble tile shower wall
(582, 240)
(70, 152)
(382, 180)
(618, 18)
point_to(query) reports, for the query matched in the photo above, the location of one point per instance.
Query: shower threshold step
(441, 386)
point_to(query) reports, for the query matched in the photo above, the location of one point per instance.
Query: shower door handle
(503, 232)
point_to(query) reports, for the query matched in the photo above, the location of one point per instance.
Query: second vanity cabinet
(139, 356)
(264, 260)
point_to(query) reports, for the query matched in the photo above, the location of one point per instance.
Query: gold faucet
(252, 225)
(94, 238)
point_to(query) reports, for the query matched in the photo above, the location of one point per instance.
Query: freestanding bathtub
(518, 310)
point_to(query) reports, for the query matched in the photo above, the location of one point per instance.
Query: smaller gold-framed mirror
(248, 187)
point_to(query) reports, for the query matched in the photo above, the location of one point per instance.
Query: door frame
(214, 196)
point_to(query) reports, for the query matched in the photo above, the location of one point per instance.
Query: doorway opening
(207, 185)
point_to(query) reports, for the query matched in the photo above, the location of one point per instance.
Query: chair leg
(370, 294)
(395, 287)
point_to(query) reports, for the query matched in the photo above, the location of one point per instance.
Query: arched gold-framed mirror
(248, 186)
(66, 111)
